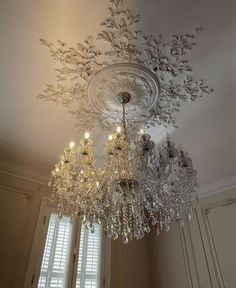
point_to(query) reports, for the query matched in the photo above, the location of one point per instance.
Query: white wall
(203, 253)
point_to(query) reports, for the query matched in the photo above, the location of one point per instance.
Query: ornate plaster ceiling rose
(108, 83)
(154, 71)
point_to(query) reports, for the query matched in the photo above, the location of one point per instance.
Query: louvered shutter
(89, 260)
(54, 265)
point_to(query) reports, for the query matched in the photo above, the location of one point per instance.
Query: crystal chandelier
(137, 187)
(137, 81)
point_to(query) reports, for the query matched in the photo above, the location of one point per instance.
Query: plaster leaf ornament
(155, 72)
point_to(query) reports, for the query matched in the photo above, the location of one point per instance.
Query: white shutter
(89, 260)
(54, 265)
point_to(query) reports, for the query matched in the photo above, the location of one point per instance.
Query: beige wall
(20, 199)
(129, 265)
(19, 207)
(203, 253)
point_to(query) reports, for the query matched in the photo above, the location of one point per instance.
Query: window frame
(33, 272)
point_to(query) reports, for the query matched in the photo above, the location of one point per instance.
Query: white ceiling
(206, 128)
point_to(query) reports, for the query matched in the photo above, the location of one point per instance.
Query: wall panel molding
(205, 252)
(227, 202)
(20, 240)
(223, 203)
(192, 254)
(207, 260)
(186, 257)
(20, 196)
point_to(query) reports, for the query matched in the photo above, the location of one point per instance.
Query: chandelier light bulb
(72, 144)
(141, 131)
(118, 129)
(57, 169)
(86, 135)
(110, 137)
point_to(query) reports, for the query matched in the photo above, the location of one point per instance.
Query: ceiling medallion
(78, 67)
(139, 185)
(109, 82)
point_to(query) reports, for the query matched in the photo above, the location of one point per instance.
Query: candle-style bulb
(86, 135)
(141, 131)
(72, 144)
(110, 137)
(118, 129)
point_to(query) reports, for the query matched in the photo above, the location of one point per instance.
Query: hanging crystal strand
(135, 213)
(146, 227)
(125, 238)
(140, 220)
(131, 221)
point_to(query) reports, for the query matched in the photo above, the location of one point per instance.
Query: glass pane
(53, 273)
(89, 260)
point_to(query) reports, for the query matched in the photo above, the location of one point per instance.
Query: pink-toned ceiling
(206, 128)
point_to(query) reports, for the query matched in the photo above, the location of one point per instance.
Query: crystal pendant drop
(181, 223)
(189, 217)
(125, 239)
(167, 227)
(114, 236)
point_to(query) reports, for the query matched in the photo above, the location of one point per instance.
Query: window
(88, 268)
(54, 265)
(67, 255)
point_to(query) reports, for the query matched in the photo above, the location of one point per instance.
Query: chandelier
(139, 82)
(136, 188)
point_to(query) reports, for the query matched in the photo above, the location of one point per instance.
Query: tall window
(89, 260)
(59, 245)
(54, 265)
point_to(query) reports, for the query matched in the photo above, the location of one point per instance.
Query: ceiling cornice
(218, 183)
(31, 177)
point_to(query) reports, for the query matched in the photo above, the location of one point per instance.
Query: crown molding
(17, 162)
(218, 183)
(34, 178)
